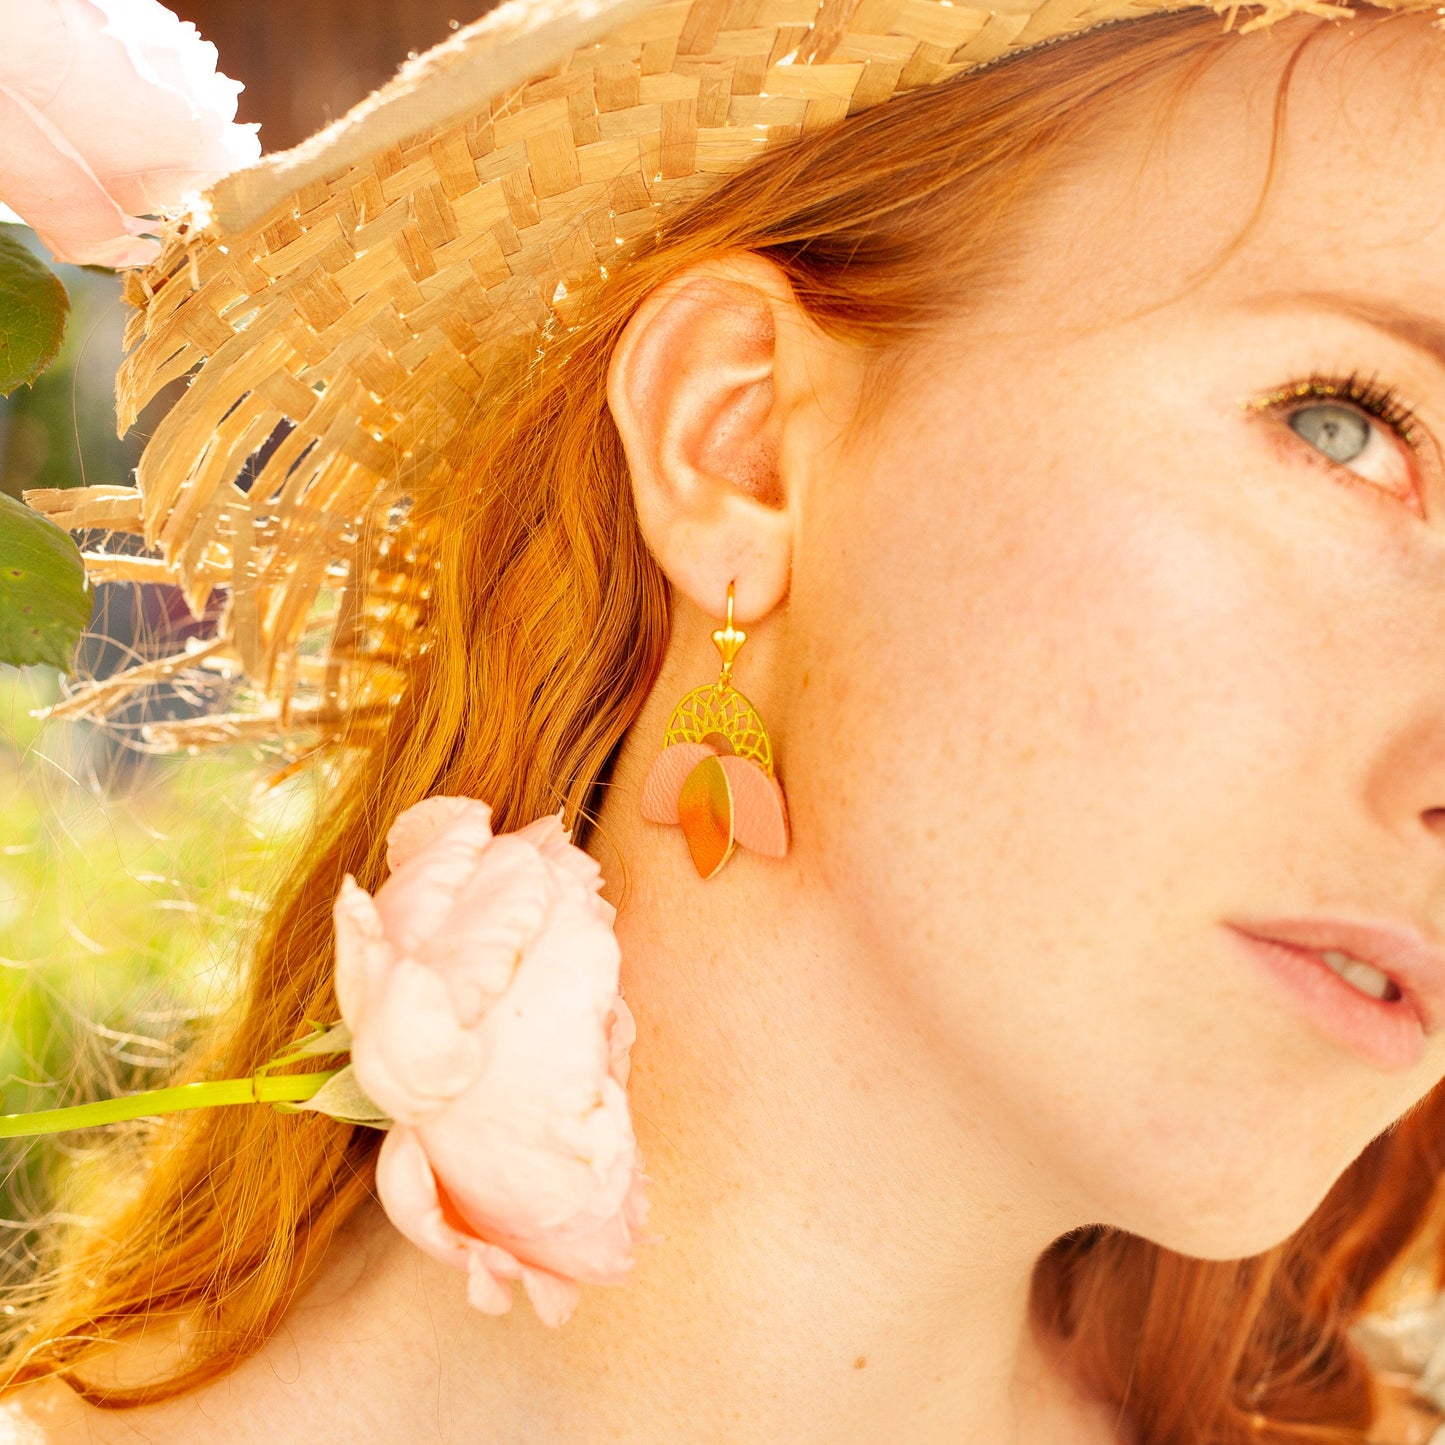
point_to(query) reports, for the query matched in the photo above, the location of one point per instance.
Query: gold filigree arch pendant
(724, 718)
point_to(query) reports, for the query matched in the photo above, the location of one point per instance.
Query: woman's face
(1100, 662)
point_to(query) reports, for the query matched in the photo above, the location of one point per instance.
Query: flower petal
(621, 1035)
(140, 99)
(553, 1297)
(363, 956)
(503, 1046)
(418, 825)
(491, 917)
(552, 841)
(46, 182)
(636, 1205)
(410, 1054)
(407, 1189)
(112, 111)
(415, 900)
(485, 1289)
(35, 48)
(540, 1153)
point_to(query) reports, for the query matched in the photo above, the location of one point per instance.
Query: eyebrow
(1425, 333)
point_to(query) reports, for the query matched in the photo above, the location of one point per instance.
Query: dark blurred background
(306, 62)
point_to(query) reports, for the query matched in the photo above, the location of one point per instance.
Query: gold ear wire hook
(729, 639)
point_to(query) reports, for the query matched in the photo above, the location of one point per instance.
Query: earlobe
(693, 391)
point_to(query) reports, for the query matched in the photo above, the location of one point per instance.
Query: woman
(1068, 434)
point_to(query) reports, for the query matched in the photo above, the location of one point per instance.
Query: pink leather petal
(665, 778)
(760, 814)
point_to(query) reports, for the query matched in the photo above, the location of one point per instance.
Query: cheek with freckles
(1059, 742)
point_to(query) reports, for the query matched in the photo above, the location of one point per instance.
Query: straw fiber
(340, 308)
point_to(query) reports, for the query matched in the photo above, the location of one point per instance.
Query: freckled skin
(1162, 669)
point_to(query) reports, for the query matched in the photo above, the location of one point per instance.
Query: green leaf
(45, 599)
(341, 1097)
(335, 1039)
(33, 307)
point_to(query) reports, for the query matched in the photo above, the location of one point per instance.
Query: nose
(1401, 777)
(1433, 821)
(1406, 791)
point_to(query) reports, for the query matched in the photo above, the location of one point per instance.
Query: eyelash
(1383, 403)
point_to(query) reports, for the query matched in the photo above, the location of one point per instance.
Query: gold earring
(714, 775)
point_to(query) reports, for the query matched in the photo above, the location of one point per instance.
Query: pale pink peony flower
(481, 989)
(111, 110)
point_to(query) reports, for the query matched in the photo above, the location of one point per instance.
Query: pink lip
(1387, 1033)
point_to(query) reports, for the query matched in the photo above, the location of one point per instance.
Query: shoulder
(356, 1357)
(38, 1415)
(231, 1411)
(1403, 1416)
(378, 1346)
(249, 1405)
(49, 1412)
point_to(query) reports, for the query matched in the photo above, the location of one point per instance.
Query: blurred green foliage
(127, 900)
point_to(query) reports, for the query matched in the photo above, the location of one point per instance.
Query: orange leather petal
(706, 811)
(760, 814)
(669, 770)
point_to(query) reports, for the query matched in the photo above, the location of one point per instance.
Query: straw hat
(361, 287)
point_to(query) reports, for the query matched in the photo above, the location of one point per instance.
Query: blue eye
(1333, 415)
(1339, 433)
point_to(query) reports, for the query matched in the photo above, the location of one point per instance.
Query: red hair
(549, 621)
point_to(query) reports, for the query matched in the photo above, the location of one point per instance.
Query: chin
(1259, 1217)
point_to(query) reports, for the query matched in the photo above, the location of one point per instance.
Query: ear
(702, 385)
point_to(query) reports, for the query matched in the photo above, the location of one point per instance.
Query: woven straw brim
(363, 287)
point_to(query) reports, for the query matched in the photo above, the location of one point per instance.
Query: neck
(847, 1245)
(849, 1233)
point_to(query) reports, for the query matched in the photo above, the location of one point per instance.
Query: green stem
(262, 1089)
